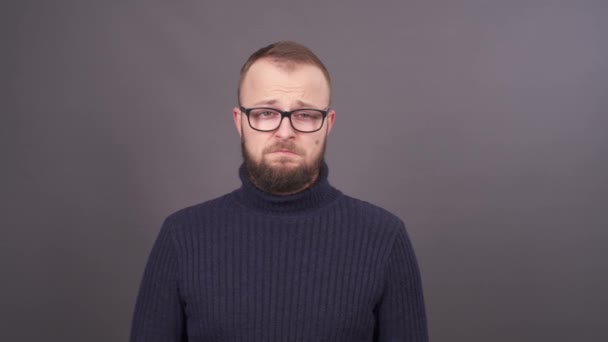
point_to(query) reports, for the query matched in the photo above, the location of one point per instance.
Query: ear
(331, 116)
(236, 116)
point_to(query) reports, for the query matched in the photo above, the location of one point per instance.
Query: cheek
(254, 148)
(314, 146)
(255, 143)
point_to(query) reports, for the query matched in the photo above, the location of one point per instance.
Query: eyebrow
(271, 102)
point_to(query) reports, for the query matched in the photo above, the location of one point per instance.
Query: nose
(285, 131)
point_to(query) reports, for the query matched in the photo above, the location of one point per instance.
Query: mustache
(284, 146)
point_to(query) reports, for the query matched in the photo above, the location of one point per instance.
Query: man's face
(284, 160)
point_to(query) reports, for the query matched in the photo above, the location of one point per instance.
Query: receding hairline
(286, 66)
(287, 55)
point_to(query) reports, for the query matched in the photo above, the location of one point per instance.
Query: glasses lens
(268, 119)
(264, 119)
(307, 120)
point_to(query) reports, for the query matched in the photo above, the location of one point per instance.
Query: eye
(307, 115)
(266, 114)
(263, 113)
(304, 115)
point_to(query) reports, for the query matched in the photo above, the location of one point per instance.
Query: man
(286, 257)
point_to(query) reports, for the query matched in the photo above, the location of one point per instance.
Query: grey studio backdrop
(483, 124)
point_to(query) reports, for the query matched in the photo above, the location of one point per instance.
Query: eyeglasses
(269, 119)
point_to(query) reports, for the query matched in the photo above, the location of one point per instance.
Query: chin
(283, 159)
(284, 163)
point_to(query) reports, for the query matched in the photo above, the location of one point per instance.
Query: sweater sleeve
(400, 313)
(159, 314)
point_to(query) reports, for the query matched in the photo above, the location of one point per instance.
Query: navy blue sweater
(250, 266)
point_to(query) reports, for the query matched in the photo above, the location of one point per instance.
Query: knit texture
(250, 266)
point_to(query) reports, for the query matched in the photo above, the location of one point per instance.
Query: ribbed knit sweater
(251, 266)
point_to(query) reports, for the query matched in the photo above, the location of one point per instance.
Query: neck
(286, 193)
(316, 194)
(281, 180)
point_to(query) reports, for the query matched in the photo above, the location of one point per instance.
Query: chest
(279, 284)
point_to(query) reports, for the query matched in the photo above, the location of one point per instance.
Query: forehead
(268, 80)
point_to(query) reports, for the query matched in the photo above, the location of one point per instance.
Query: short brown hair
(288, 52)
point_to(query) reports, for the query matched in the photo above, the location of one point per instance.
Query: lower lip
(287, 153)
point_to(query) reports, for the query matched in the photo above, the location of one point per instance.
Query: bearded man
(286, 257)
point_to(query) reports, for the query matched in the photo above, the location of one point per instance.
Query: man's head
(285, 76)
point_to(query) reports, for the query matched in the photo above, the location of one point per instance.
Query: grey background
(483, 124)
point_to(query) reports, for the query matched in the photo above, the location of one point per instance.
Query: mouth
(284, 149)
(284, 152)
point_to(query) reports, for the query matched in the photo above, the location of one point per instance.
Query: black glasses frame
(286, 114)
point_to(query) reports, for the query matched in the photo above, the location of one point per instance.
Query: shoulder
(373, 215)
(364, 208)
(194, 214)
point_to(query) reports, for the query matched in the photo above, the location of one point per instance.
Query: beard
(281, 178)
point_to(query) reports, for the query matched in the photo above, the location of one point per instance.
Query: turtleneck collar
(319, 194)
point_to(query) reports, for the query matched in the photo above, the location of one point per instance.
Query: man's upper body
(286, 257)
